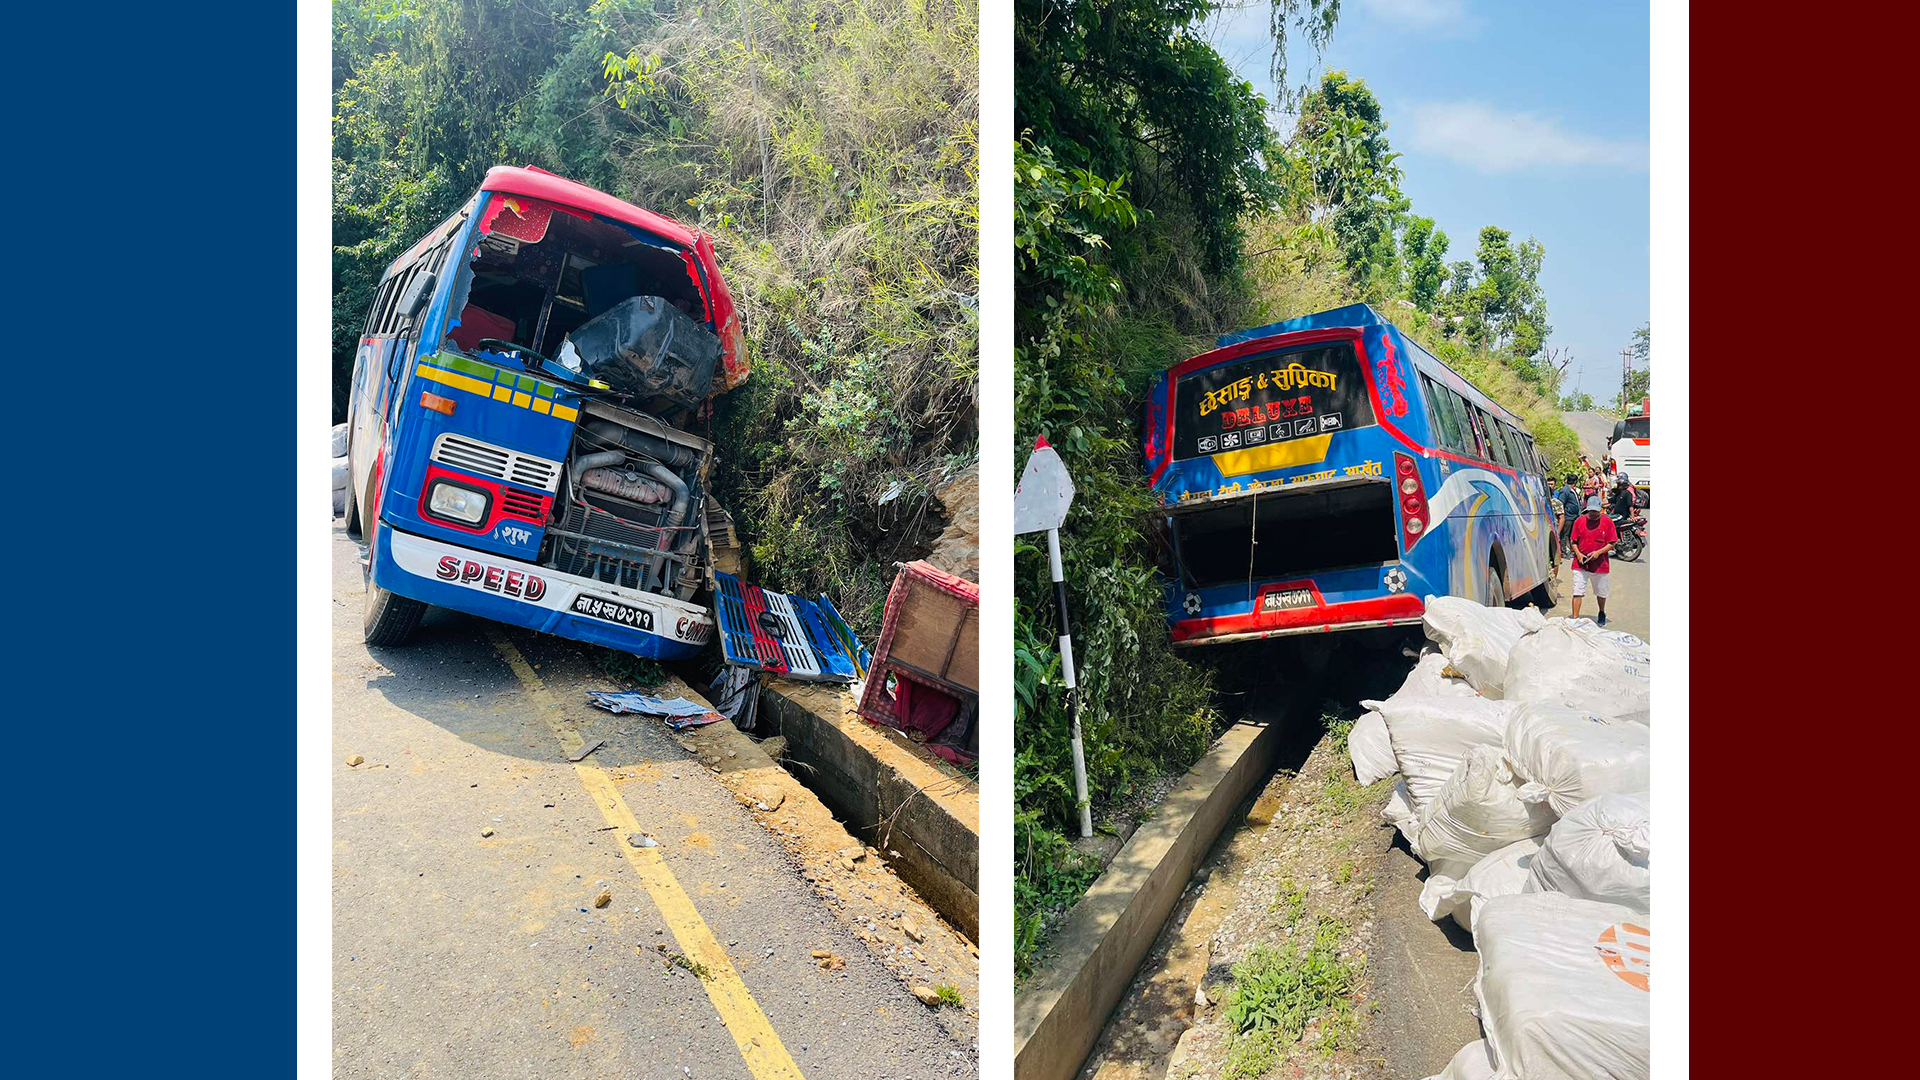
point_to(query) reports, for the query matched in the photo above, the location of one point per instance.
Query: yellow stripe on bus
(1278, 455)
(455, 379)
(752, 1032)
(497, 393)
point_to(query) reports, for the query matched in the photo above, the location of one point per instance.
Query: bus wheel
(390, 619)
(1496, 588)
(353, 508)
(1543, 596)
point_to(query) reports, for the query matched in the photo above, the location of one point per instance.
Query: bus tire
(391, 619)
(353, 508)
(1543, 596)
(1496, 593)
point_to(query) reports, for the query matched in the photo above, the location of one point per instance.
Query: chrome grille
(463, 452)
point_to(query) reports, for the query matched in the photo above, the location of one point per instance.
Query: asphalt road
(1593, 429)
(460, 955)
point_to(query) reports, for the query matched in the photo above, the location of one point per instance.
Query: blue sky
(1532, 117)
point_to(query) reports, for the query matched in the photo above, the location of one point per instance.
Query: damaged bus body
(517, 442)
(1327, 473)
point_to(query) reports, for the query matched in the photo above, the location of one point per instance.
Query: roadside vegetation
(1157, 204)
(832, 150)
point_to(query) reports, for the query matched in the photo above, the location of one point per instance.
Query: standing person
(1568, 496)
(1593, 538)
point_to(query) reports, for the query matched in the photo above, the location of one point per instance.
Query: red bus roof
(538, 183)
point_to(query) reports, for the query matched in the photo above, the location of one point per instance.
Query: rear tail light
(1413, 500)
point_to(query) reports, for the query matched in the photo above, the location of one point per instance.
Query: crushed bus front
(520, 438)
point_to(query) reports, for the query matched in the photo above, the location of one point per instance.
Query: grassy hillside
(832, 150)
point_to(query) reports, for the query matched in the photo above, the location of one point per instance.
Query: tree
(1353, 177)
(1498, 304)
(1124, 88)
(1424, 248)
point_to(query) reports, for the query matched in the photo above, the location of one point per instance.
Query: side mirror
(415, 298)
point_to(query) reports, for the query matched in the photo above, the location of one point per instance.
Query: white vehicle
(1629, 449)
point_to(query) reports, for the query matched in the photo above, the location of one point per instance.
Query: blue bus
(1327, 473)
(518, 443)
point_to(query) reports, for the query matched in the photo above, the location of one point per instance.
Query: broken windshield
(541, 270)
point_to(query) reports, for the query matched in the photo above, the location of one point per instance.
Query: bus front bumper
(522, 594)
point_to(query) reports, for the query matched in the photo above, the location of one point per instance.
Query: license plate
(1287, 600)
(613, 611)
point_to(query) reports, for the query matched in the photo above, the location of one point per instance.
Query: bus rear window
(1636, 427)
(1269, 397)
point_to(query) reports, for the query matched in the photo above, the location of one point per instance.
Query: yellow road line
(766, 1057)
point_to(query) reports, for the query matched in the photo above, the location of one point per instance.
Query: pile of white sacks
(1521, 744)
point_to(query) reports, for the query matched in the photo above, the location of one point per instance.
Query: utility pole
(1626, 375)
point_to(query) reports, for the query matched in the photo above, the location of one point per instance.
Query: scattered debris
(828, 961)
(641, 840)
(911, 928)
(927, 994)
(605, 898)
(486, 832)
(587, 749)
(679, 713)
(356, 761)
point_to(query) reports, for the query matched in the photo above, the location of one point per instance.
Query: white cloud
(1493, 140)
(1418, 14)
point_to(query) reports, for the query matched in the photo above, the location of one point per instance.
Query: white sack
(1476, 639)
(1429, 679)
(1503, 873)
(339, 485)
(1473, 1062)
(1431, 735)
(1371, 749)
(1599, 852)
(1578, 665)
(339, 441)
(1563, 988)
(1399, 811)
(1478, 812)
(1570, 756)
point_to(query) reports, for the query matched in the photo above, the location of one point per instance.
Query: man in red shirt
(1593, 538)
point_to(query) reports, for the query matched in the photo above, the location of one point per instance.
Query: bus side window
(1439, 416)
(1472, 422)
(1490, 427)
(1516, 450)
(380, 296)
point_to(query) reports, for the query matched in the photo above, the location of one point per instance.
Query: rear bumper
(1396, 610)
(522, 594)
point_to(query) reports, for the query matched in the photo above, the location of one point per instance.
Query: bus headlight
(456, 503)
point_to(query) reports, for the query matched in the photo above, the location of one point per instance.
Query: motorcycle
(1633, 538)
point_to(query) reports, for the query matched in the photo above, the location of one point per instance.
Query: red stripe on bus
(1397, 606)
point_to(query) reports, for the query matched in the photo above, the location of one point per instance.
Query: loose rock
(484, 833)
(605, 898)
(911, 928)
(927, 994)
(356, 761)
